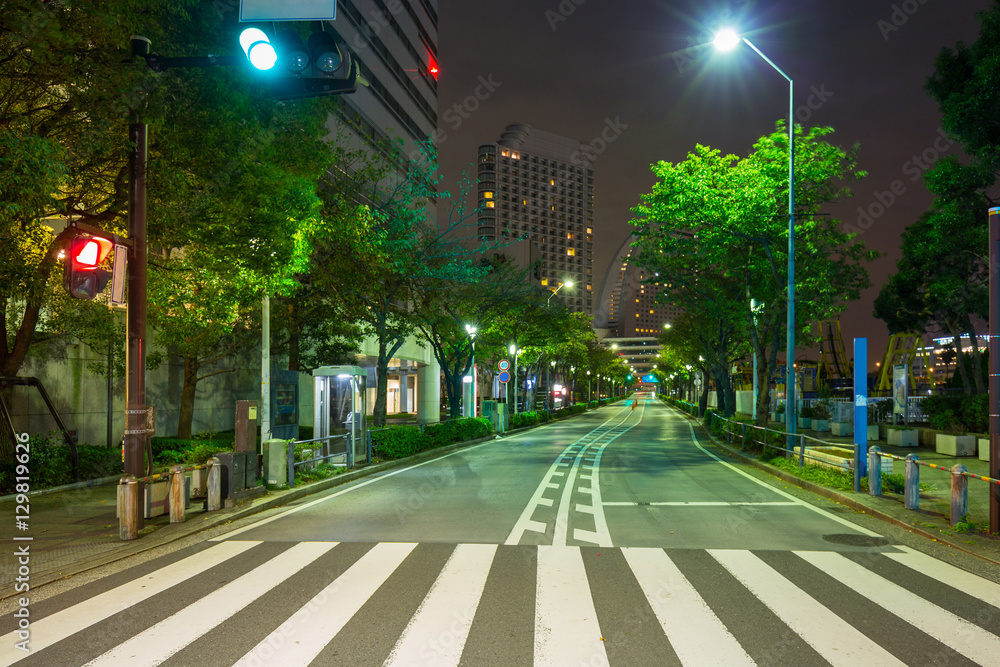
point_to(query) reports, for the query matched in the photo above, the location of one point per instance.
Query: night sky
(644, 73)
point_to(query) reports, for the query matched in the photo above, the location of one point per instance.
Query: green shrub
(976, 413)
(397, 442)
(401, 441)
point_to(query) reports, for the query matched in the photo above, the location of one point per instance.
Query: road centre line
(560, 529)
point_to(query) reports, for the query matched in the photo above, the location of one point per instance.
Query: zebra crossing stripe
(51, 629)
(160, 641)
(694, 631)
(835, 639)
(968, 583)
(964, 637)
(320, 619)
(566, 627)
(437, 633)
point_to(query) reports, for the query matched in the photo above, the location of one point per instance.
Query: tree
(390, 247)
(713, 234)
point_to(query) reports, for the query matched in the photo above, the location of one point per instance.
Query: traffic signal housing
(322, 66)
(81, 276)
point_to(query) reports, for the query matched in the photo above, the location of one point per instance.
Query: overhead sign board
(288, 10)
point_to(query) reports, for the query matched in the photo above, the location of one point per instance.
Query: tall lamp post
(471, 330)
(727, 40)
(514, 352)
(568, 283)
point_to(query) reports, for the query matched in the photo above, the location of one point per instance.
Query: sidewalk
(933, 518)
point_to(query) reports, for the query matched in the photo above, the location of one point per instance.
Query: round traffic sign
(504, 376)
(503, 364)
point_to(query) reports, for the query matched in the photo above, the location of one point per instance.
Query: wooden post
(911, 495)
(875, 471)
(128, 512)
(959, 494)
(177, 494)
(214, 501)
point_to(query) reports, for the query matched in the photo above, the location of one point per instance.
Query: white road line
(706, 503)
(349, 489)
(437, 633)
(696, 634)
(525, 522)
(299, 639)
(562, 514)
(62, 624)
(968, 583)
(157, 643)
(793, 499)
(966, 638)
(834, 638)
(566, 627)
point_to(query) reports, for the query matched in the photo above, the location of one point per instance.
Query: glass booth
(341, 410)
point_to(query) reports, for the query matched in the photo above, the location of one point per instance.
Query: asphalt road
(613, 538)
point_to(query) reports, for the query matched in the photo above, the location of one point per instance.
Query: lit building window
(571, 252)
(488, 195)
(490, 204)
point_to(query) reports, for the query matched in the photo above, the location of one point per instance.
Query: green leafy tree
(713, 233)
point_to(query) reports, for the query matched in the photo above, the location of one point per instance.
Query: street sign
(288, 10)
(503, 364)
(504, 377)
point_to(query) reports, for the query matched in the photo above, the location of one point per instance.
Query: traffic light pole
(135, 423)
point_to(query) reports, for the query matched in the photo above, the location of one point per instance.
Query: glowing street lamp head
(726, 39)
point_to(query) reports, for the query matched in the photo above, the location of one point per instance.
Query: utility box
(495, 411)
(276, 462)
(340, 408)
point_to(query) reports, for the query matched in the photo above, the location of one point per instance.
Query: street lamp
(726, 40)
(471, 330)
(514, 352)
(568, 283)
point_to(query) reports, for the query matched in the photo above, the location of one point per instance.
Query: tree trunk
(960, 359)
(763, 391)
(185, 417)
(294, 332)
(381, 386)
(977, 359)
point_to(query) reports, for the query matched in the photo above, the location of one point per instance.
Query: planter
(805, 422)
(831, 457)
(902, 437)
(984, 449)
(955, 445)
(842, 428)
(821, 425)
(780, 417)
(873, 433)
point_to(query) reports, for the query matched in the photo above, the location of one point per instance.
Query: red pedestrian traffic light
(81, 276)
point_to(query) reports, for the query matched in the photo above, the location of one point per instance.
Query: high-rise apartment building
(630, 303)
(538, 187)
(395, 44)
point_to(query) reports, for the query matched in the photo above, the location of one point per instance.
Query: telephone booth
(340, 410)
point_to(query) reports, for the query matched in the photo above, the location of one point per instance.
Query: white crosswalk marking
(566, 629)
(832, 637)
(60, 625)
(695, 632)
(319, 621)
(437, 632)
(967, 638)
(161, 641)
(567, 622)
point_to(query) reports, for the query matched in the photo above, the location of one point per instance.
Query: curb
(836, 496)
(274, 499)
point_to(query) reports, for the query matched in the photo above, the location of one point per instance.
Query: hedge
(401, 441)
